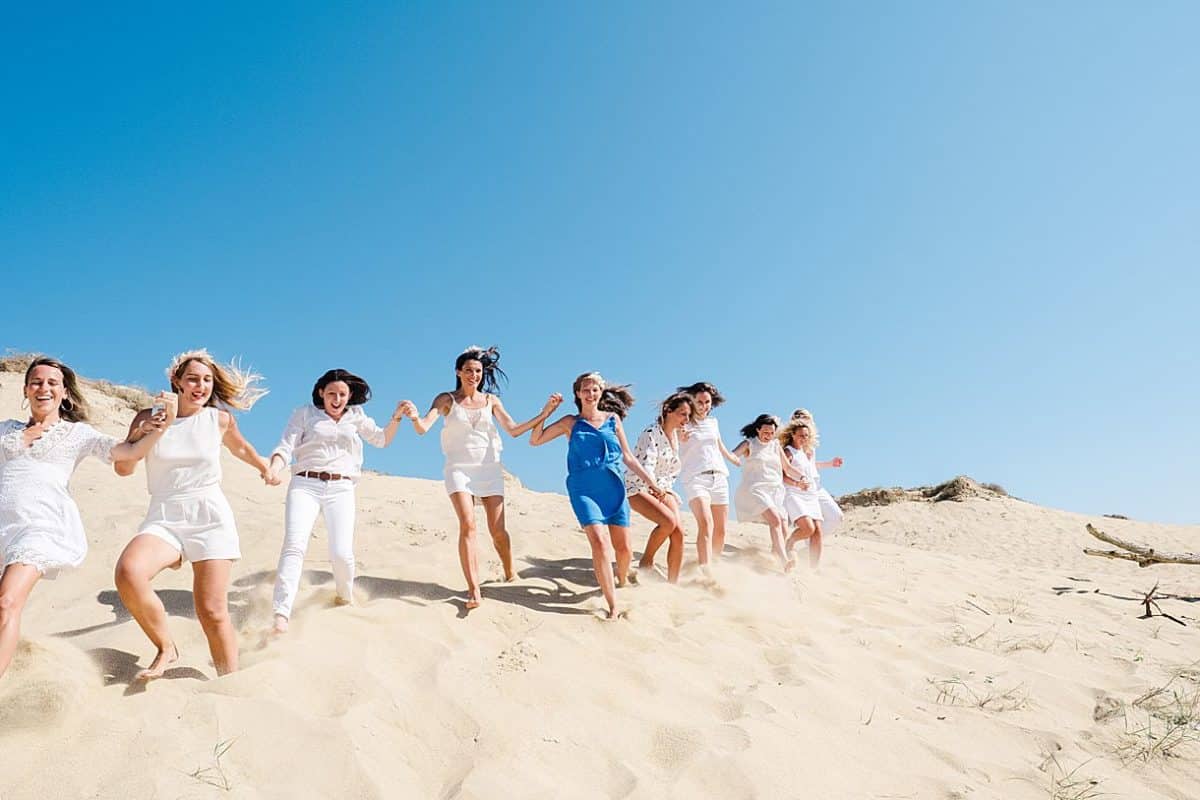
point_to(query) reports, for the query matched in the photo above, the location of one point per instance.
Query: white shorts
(799, 503)
(198, 523)
(712, 486)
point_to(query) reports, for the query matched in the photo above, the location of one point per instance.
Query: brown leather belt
(323, 476)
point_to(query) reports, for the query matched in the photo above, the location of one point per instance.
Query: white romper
(802, 502)
(39, 522)
(702, 467)
(472, 447)
(762, 482)
(183, 474)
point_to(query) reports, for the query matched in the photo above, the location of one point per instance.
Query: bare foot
(510, 575)
(281, 625)
(158, 666)
(343, 601)
(474, 599)
(790, 565)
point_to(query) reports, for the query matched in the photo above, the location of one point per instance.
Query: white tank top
(702, 451)
(761, 467)
(469, 435)
(188, 456)
(800, 460)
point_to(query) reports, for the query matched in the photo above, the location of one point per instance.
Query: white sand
(956, 650)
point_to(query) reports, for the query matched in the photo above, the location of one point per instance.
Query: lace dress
(39, 522)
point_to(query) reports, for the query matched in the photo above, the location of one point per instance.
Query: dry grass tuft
(1170, 726)
(957, 692)
(1069, 784)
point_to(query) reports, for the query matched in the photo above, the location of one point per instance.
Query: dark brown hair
(704, 386)
(360, 392)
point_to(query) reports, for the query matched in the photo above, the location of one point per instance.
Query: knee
(212, 613)
(10, 608)
(127, 574)
(466, 530)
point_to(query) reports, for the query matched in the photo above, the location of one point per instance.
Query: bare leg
(778, 546)
(703, 512)
(720, 513)
(814, 546)
(140, 561)
(803, 530)
(619, 535)
(15, 585)
(665, 516)
(464, 507)
(602, 555)
(493, 508)
(210, 592)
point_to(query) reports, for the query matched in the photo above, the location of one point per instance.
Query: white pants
(307, 497)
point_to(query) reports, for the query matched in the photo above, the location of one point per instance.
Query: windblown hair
(233, 386)
(805, 414)
(489, 359)
(617, 399)
(751, 431)
(794, 424)
(673, 402)
(73, 407)
(704, 386)
(360, 392)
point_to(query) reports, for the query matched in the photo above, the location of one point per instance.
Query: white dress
(183, 474)
(799, 502)
(659, 455)
(762, 482)
(831, 512)
(472, 448)
(39, 522)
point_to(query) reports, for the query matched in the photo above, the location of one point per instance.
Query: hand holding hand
(270, 477)
(553, 402)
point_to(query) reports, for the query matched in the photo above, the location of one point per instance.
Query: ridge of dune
(944, 650)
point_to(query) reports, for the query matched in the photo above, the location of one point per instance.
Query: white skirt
(197, 522)
(831, 512)
(800, 503)
(751, 501)
(478, 480)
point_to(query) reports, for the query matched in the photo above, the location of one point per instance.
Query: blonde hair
(233, 386)
(806, 415)
(794, 424)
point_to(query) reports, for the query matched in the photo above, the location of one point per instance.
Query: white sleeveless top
(701, 452)
(188, 456)
(800, 460)
(761, 467)
(469, 435)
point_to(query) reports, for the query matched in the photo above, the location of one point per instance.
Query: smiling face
(45, 390)
(680, 416)
(766, 432)
(470, 374)
(589, 392)
(194, 386)
(335, 398)
(703, 405)
(800, 437)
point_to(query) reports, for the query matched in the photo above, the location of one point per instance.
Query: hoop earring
(24, 403)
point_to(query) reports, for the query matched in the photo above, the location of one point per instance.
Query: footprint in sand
(673, 747)
(731, 739)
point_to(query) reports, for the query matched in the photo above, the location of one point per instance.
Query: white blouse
(701, 452)
(319, 443)
(659, 455)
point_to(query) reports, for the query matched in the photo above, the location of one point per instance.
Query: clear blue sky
(964, 234)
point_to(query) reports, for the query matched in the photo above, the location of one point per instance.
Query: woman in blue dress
(597, 455)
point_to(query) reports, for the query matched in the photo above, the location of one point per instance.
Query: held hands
(405, 408)
(269, 475)
(553, 402)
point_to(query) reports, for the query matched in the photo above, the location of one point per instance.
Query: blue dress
(596, 474)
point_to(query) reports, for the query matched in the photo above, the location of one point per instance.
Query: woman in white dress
(40, 528)
(703, 475)
(189, 518)
(657, 450)
(472, 445)
(323, 441)
(801, 502)
(760, 495)
(831, 512)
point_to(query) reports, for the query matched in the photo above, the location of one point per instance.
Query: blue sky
(964, 235)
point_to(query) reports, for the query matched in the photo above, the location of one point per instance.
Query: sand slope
(951, 650)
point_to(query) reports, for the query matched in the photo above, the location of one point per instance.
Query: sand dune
(945, 650)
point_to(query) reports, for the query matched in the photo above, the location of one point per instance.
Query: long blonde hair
(233, 386)
(806, 415)
(794, 424)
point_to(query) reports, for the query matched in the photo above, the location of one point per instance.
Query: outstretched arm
(835, 462)
(440, 407)
(242, 450)
(374, 435)
(512, 428)
(737, 451)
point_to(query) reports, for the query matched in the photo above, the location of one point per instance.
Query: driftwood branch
(1140, 554)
